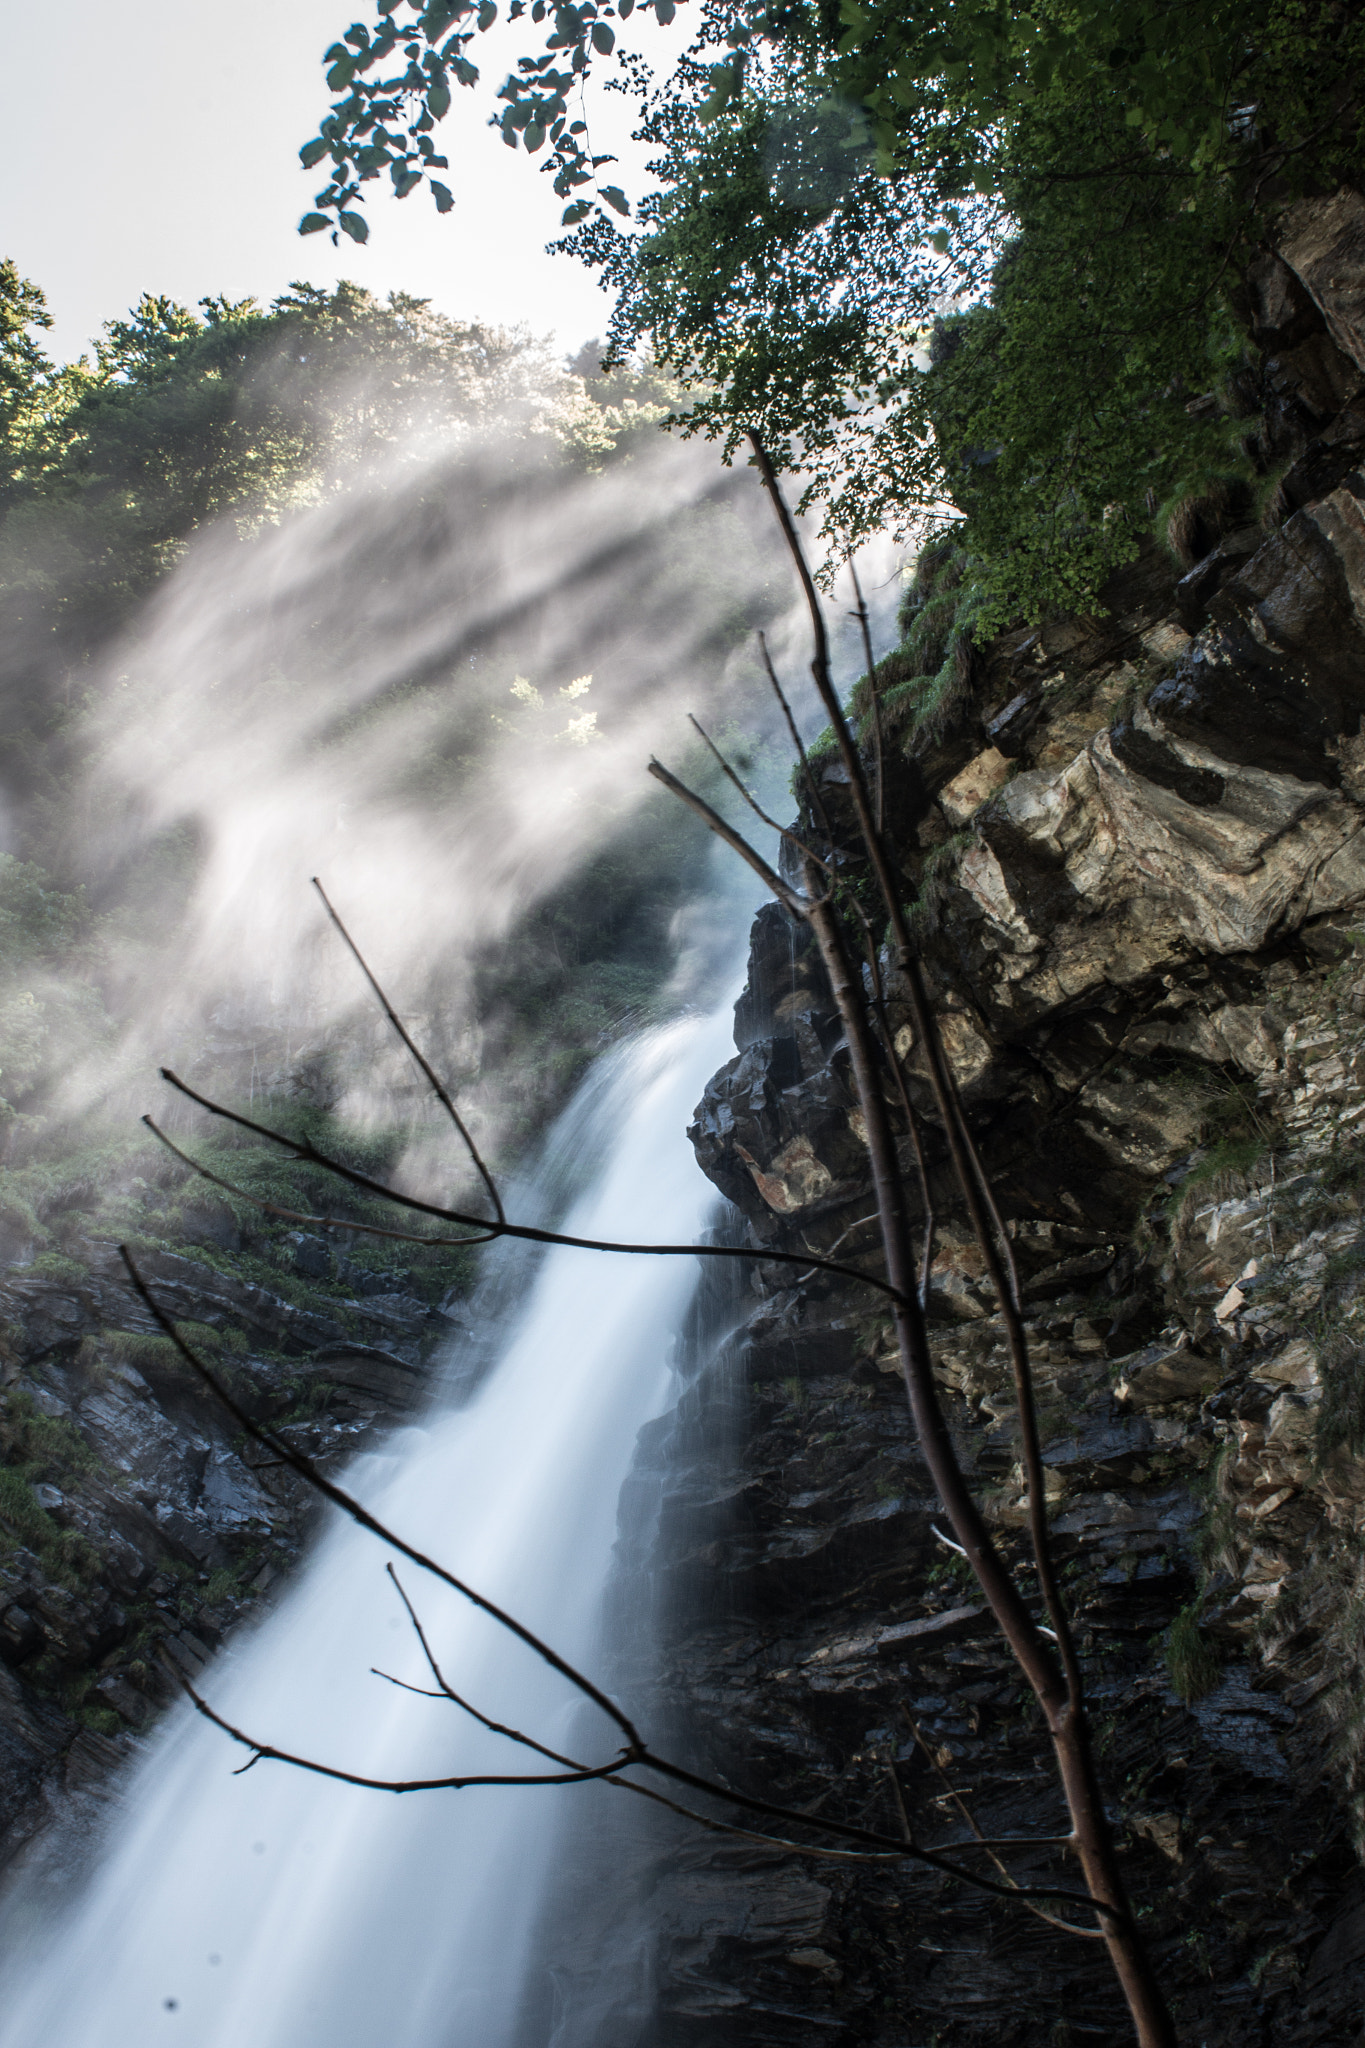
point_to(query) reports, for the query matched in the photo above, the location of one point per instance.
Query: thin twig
(265, 1752)
(861, 616)
(782, 831)
(817, 802)
(448, 1692)
(429, 1072)
(991, 1847)
(799, 906)
(301, 1216)
(525, 1233)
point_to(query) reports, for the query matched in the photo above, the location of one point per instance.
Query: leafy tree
(185, 420)
(834, 180)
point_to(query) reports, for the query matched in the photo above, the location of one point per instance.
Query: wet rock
(970, 788)
(1144, 948)
(1163, 1374)
(1323, 243)
(312, 1256)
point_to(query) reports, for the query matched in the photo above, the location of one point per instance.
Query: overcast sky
(153, 146)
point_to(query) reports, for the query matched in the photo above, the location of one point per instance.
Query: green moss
(1341, 1411)
(926, 912)
(140, 1348)
(49, 1442)
(1193, 1664)
(56, 1266)
(20, 1511)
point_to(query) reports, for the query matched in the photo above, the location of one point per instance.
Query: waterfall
(278, 1909)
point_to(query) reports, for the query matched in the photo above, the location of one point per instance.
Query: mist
(433, 680)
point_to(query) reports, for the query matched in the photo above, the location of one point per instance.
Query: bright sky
(152, 146)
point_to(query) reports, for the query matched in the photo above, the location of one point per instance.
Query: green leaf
(939, 239)
(341, 74)
(615, 197)
(664, 11)
(533, 137)
(313, 152)
(488, 14)
(312, 222)
(404, 181)
(571, 214)
(438, 100)
(602, 38)
(355, 225)
(442, 194)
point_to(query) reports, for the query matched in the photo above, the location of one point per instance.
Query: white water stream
(280, 1910)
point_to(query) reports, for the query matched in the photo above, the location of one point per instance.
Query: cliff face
(138, 1524)
(1138, 848)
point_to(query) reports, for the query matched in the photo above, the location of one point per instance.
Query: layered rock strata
(1138, 856)
(136, 1523)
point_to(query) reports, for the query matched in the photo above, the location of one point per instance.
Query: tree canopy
(947, 256)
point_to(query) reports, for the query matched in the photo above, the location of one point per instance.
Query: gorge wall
(1137, 844)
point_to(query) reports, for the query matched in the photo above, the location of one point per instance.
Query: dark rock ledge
(155, 1526)
(1144, 939)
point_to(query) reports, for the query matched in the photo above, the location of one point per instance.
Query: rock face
(1140, 862)
(137, 1525)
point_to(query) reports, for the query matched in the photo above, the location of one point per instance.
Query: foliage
(40, 928)
(36, 1447)
(834, 182)
(381, 126)
(184, 420)
(1341, 1411)
(1194, 1665)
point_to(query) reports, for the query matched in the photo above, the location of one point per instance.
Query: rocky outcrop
(1139, 864)
(136, 1524)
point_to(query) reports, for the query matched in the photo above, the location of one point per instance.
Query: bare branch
(861, 616)
(423, 1692)
(264, 1752)
(526, 1233)
(817, 802)
(797, 905)
(798, 555)
(448, 1692)
(270, 1440)
(432, 1078)
(301, 1216)
(783, 831)
(976, 1191)
(1060, 1694)
(991, 1847)
(635, 1751)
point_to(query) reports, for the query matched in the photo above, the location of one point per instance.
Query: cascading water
(281, 1910)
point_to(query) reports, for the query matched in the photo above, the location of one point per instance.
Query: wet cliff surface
(1137, 847)
(139, 1524)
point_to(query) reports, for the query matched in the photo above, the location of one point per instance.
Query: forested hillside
(258, 623)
